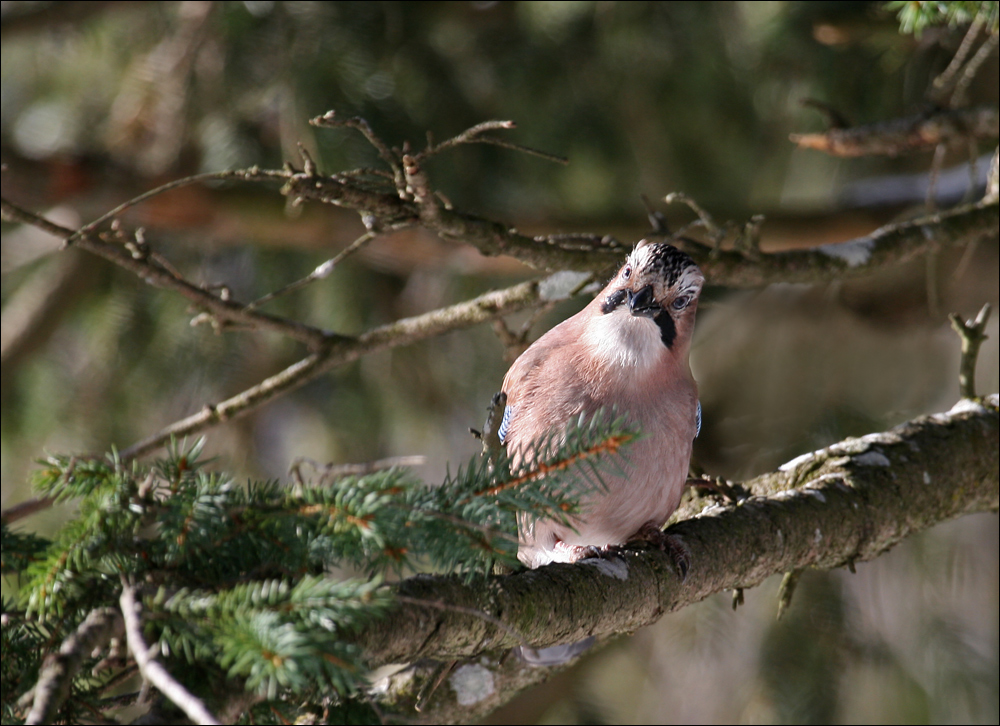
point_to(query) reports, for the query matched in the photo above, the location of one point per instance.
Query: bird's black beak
(642, 303)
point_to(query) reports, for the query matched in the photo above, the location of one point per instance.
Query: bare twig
(932, 176)
(419, 187)
(345, 350)
(57, 673)
(474, 135)
(523, 149)
(149, 270)
(152, 671)
(738, 598)
(319, 273)
(943, 83)
(972, 334)
(169, 186)
(715, 232)
(337, 471)
(971, 69)
(786, 590)
(330, 120)
(26, 509)
(904, 135)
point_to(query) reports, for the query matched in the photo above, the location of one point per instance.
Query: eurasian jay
(628, 349)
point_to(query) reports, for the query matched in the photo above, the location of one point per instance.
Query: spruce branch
(240, 570)
(233, 575)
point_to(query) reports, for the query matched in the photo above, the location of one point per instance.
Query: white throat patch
(620, 339)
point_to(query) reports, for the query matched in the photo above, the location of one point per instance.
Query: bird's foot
(670, 544)
(587, 552)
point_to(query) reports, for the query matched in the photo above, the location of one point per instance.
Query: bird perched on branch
(627, 350)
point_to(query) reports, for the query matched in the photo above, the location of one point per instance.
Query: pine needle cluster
(242, 584)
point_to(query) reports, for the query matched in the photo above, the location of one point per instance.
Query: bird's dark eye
(681, 302)
(627, 272)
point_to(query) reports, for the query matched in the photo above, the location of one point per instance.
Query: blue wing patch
(697, 429)
(505, 424)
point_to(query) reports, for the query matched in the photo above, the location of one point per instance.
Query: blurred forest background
(101, 101)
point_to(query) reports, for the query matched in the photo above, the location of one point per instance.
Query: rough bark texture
(849, 502)
(904, 135)
(891, 244)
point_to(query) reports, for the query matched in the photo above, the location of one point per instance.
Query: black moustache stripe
(668, 331)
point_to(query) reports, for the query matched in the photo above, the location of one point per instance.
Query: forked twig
(152, 670)
(972, 334)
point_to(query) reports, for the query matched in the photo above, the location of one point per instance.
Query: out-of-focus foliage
(915, 16)
(101, 104)
(641, 96)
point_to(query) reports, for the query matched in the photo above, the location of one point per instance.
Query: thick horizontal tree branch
(846, 503)
(888, 245)
(904, 135)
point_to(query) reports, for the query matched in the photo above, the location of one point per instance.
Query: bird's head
(660, 283)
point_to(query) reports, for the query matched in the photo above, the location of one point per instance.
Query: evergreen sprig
(915, 16)
(235, 579)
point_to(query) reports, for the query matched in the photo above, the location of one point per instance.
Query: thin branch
(152, 671)
(337, 471)
(169, 186)
(474, 135)
(715, 233)
(531, 151)
(346, 350)
(943, 83)
(26, 509)
(146, 268)
(786, 590)
(972, 334)
(330, 120)
(905, 135)
(971, 69)
(55, 678)
(321, 272)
